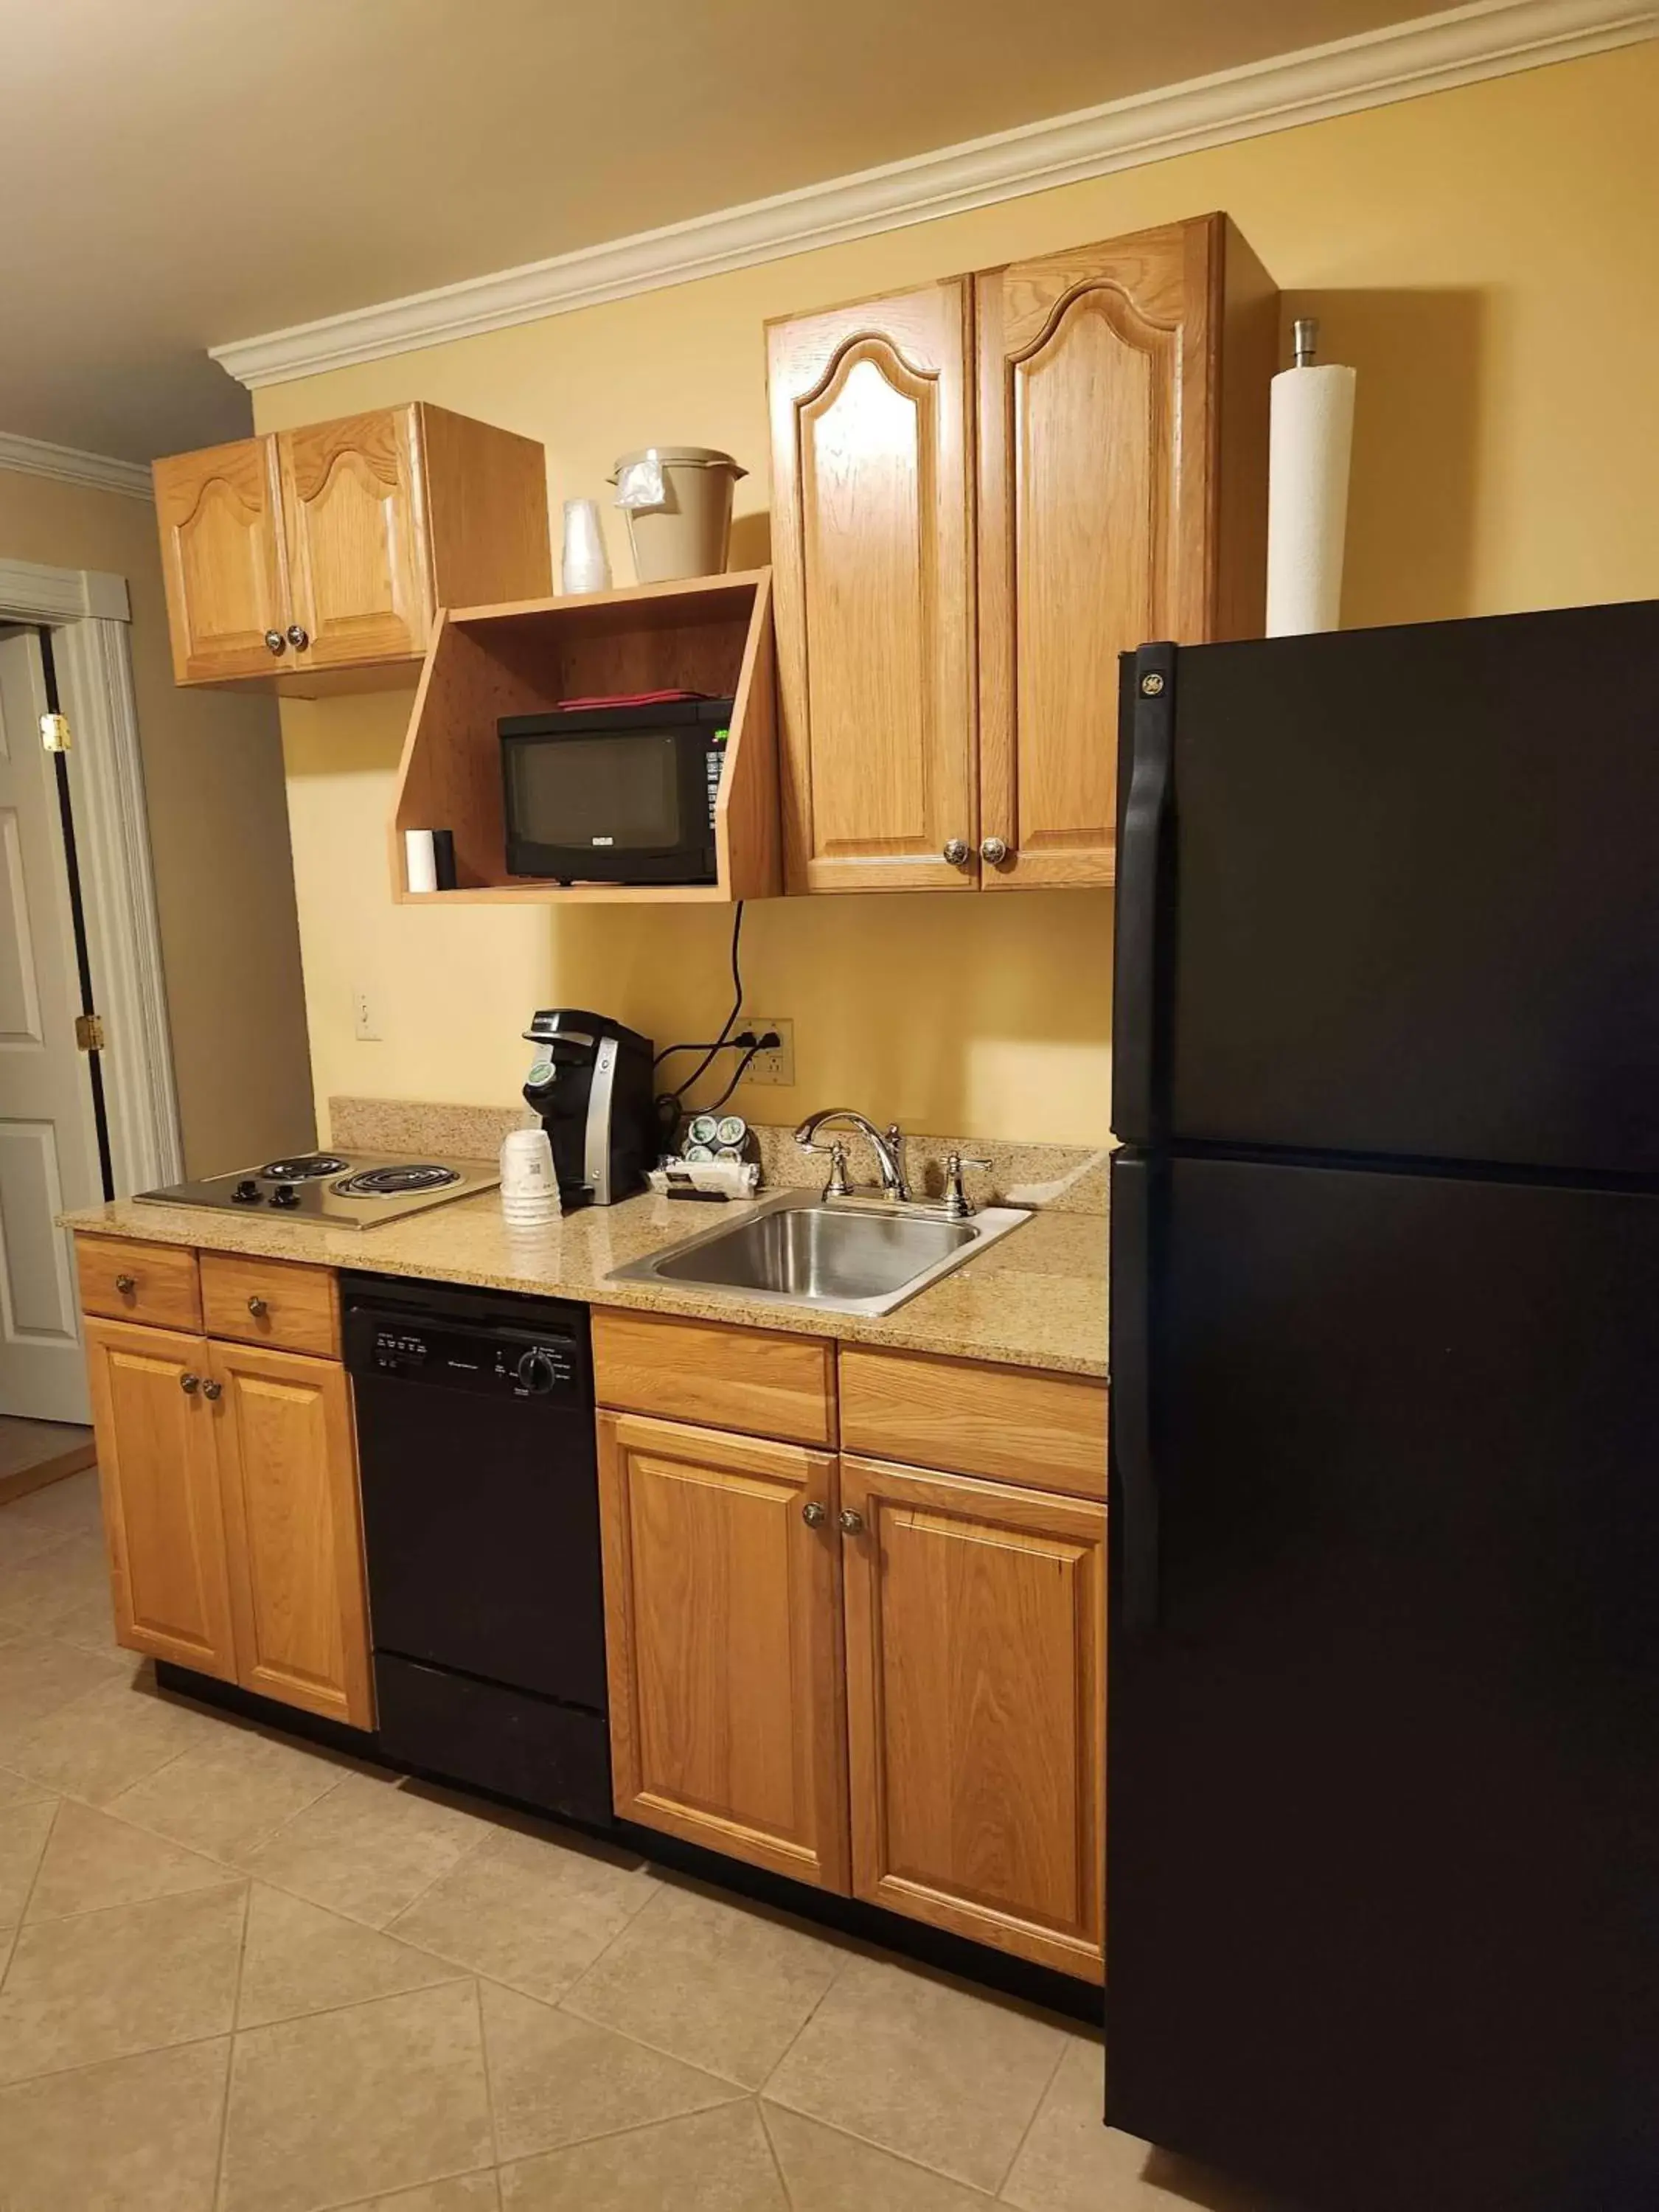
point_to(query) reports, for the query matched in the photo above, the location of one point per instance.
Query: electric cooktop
(342, 1190)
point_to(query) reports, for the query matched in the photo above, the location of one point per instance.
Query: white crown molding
(34, 456)
(1492, 38)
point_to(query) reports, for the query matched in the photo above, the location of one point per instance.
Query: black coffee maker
(590, 1084)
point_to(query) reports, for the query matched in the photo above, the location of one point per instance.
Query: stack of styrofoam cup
(530, 1190)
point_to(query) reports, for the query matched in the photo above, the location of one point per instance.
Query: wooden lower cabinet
(287, 1476)
(723, 1642)
(229, 1481)
(975, 1707)
(158, 1472)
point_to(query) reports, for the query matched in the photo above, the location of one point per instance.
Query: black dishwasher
(481, 1526)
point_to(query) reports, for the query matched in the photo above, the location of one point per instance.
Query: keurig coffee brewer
(590, 1084)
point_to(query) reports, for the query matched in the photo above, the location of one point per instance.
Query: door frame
(90, 616)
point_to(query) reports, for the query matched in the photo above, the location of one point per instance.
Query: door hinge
(89, 1032)
(55, 732)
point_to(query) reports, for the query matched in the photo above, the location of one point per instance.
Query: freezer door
(1396, 892)
(1382, 1868)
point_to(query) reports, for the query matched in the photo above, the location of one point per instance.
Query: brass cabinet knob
(274, 641)
(297, 637)
(188, 1383)
(852, 1523)
(994, 851)
(126, 1285)
(211, 1390)
(956, 851)
(255, 1307)
(813, 1514)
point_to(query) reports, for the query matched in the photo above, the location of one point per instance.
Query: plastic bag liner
(639, 485)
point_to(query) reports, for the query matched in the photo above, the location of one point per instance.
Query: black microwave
(615, 795)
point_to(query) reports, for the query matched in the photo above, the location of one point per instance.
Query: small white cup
(527, 1167)
(584, 564)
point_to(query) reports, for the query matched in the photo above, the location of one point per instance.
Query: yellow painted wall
(224, 891)
(1485, 258)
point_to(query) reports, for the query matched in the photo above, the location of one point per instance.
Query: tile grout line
(772, 2152)
(846, 1957)
(869, 2142)
(488, 2085)
(28, 1894)
(1025, 2132)
(230, 2047)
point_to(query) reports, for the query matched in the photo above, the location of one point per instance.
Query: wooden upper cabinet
(1101, 455)
(159, 1479)
(873, 550)
(975, 1708)
(1113, 491)
(300, 554)
(722, 1641)
(360, 582)
(288, 1470)
(219, 513)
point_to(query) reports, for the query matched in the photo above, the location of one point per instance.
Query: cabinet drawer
(280, 1302)
(124, 1280)
(757, 1380)
(1010, 1423)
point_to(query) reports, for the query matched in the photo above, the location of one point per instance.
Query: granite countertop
(1037, 1299)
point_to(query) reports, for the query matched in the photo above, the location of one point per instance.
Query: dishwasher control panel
(506, 1363)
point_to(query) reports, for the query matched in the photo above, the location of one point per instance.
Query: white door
(48, 1136)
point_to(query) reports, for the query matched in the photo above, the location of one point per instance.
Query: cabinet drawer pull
(211, 1390)
(995, 850)
(255, 1307)
(274, 641)
(813, 1514)
(126, 1285)
(956, 851)
(188, 1383)
(298, 637)
(852, 1523)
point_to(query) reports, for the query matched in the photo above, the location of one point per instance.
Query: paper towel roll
(1311, 437)
(420, 861)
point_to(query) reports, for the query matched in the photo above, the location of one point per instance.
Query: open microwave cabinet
(490, 666)
(623, 794)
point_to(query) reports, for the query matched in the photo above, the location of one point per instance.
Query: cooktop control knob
(536, 1373)
(285, 1194)
(247, 1192)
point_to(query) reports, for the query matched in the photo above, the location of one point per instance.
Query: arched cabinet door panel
(352, 500)
(873, 558)
(219, 512)
(1101, 416)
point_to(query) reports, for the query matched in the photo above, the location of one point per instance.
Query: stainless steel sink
(845, 1254)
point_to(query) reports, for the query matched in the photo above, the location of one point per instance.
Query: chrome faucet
(888, 1151)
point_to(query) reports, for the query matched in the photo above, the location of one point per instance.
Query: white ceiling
(177, 174)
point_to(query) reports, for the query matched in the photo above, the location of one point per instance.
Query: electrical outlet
(365, 1015)
(777, 1066)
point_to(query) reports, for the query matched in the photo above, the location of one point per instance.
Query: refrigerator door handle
(1132, 1482)
(1145, 725)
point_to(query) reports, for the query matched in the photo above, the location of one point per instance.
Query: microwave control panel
(714, 762)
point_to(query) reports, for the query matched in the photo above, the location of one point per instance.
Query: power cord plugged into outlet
(768, 1040)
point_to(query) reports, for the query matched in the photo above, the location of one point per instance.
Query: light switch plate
(365, 1015)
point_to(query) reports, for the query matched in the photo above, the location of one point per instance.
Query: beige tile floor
(240, 1975)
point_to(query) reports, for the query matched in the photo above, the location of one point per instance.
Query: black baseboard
(872, 1924)
(247, 1705)
(847, 1915)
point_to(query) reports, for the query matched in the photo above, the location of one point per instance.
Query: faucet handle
(956, 1198)
(838, 1185)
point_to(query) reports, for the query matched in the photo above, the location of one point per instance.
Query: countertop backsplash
(1058, 1178)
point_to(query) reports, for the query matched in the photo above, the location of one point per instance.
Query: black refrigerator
(1382, 1868)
